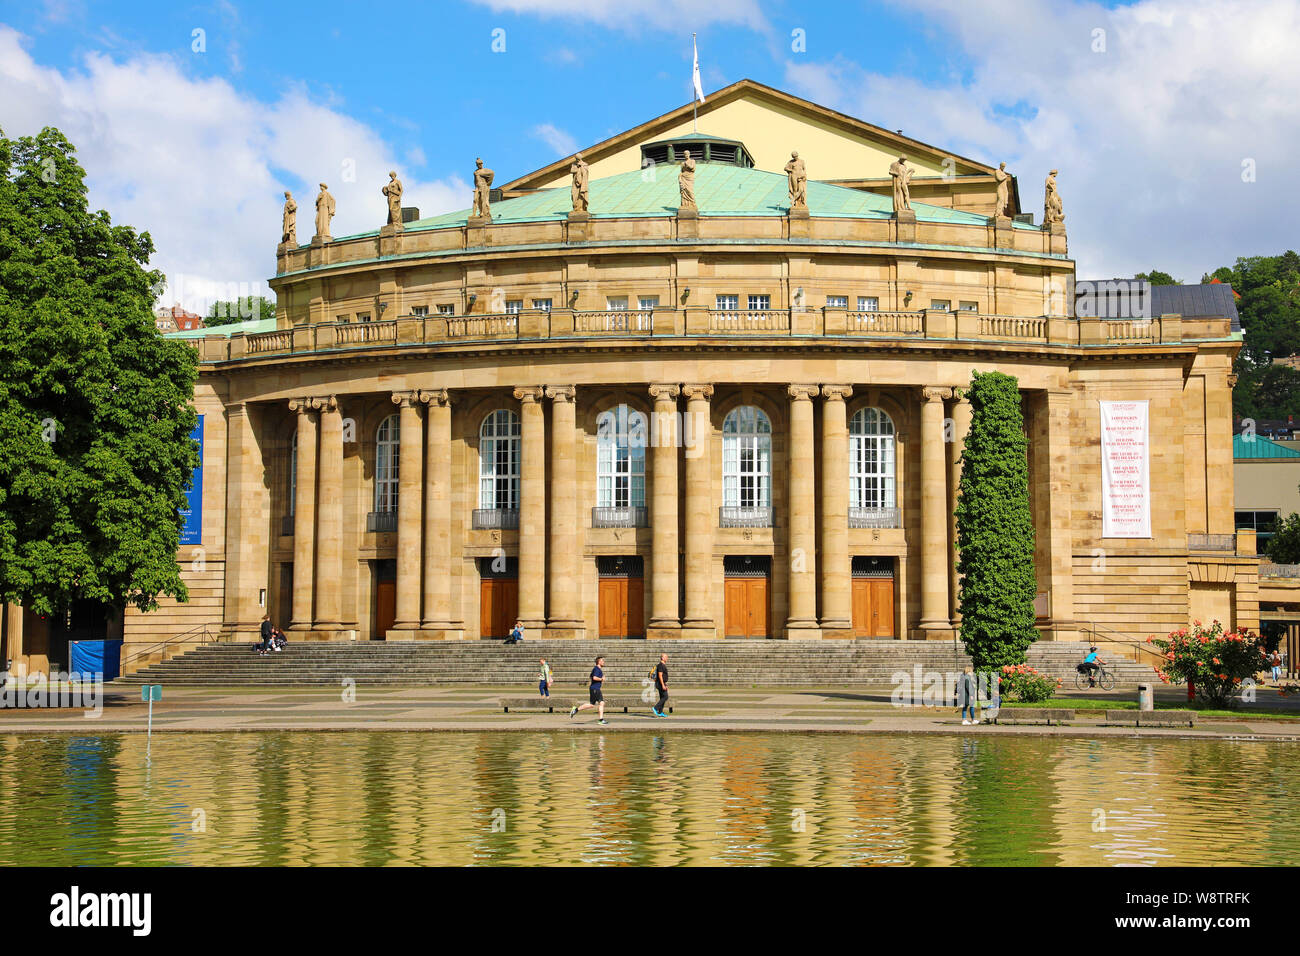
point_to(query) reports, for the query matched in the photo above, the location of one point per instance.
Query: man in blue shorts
(595, 697)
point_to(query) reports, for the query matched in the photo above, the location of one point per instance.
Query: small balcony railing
(381, 521)
(875, 517)
(286, 525)
(1279, 570)
(632, 516)
(1211, 542)
(495, 519)
(730, 516)
(615, 321)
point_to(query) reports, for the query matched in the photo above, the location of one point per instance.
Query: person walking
(661, 685)
(966, 692)
(267, 632)
(1275, 663)
(544, 680)
(595, 694)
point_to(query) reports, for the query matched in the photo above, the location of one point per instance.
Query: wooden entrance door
(621, 596)
(745, 597)
(873, 597)
(498, 606)
(385, 606)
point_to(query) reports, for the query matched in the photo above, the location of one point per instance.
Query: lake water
(637, 798)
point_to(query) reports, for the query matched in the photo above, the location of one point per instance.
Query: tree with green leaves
(995, 528)
(243, 309)
(95, 405)
(1156, 277)
(1283, 546)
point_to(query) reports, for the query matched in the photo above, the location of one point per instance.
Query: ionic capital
(300, 405)
(560, 393)
(836, 393)
(802, 393)
(406, 399)
(529, 394)
(665, 393)
(934, 393)
(697, 392)
(325, 403)
(959, 394)
(435, 396)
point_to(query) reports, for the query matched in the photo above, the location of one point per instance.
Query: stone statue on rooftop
(797, 174)
(1052, 208)
(686, 181)
(482, 190)
(393, 193)
(289, 230)
(324, 213)
(581, 173)
(901, 173)
(1003, 179)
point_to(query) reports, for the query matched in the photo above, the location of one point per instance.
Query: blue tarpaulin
(95, 657)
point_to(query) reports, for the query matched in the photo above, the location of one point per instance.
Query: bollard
(1146, 699)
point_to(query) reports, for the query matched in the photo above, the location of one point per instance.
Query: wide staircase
(692, 663)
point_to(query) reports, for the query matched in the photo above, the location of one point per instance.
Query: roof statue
(901, 173)
(289, 228)
(686, 182)
(581, 177)
(1052, 208)
(798, 176)
(482, 191)
(1003, 179)
(324, 213)
(393, 193)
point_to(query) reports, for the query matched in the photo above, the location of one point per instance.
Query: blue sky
(1152, 132)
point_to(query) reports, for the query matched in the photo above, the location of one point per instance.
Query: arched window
(871, 460)
(746, 458)
(620, 458)
(386, 449)
(498, 460)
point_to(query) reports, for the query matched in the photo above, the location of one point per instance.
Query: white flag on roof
(699, 88)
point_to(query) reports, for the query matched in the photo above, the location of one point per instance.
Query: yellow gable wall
(770, 131)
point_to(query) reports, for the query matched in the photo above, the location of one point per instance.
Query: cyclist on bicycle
(1091, 664)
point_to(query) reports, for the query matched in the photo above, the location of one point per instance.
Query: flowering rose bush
(1212, 660)
(1022, 682)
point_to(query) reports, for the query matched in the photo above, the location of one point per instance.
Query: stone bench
(1034, 715)
(1151, 718)
(549, 705)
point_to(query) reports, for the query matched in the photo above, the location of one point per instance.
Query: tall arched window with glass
(872, 502)
(621, 435)
(746, 468)
(386, 448)
(498, 462)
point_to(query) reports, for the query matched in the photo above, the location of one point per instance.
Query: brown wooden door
(873, 607)
(622, 607)
(635, 607)
(385, 606)
(498, 606)
(745, 611)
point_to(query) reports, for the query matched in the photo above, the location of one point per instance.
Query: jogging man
(595, 697)
(661, 685)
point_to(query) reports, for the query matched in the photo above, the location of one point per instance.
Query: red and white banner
(1125, 470)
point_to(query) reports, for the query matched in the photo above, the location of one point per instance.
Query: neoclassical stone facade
(739, 423)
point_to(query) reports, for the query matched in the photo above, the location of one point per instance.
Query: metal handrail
(1112, 636)
(181, 638)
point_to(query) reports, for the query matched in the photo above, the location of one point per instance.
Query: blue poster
(192, 513)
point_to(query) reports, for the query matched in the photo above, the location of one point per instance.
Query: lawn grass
(1102, 703)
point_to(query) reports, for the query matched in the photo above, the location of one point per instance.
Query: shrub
(1212, 660)
(1021, 682)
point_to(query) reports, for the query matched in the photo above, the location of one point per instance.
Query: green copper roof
(1257, 446)
(249, 328)
(720, 190)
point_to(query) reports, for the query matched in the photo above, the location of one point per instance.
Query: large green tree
(1156, 277)
(1269, 306)
(242, 309)
(995, 529)
(95, 413)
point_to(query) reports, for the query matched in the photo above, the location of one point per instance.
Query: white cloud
(201, 166)
(1149, 135)
(661, 14)
(563, 143)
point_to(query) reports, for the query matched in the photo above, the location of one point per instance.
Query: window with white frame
(419, 310)
(620, 458)
(871, 459)
(542, 305)
(648, 303)
(616, 303)
(746, 458)
(728, 303)
(446, 309)
(943, 305)
(868, 303)
(837, 302)
(760, 303)
(514, 306)
(498, 460)
(966, 305)
(363, 316)
(386, 461)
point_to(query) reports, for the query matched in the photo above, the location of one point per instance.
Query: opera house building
(691, 386)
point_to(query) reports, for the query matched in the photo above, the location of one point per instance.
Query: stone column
(438, 621)
(565, 578)
(410, 462)
(698, 622)
(664, 586)
(960, 426)
(329, 518)
(532, 509)
(304, 517)
(802, 541)
(934, 524)
(837, 598)
(1060, 508)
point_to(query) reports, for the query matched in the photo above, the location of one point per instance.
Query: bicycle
(1104, 678)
